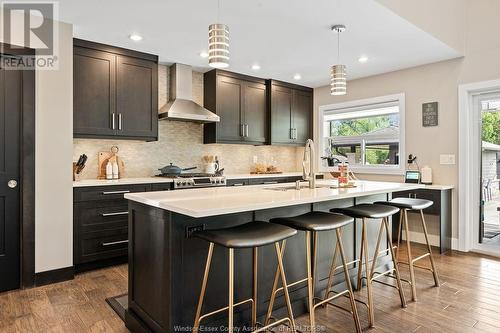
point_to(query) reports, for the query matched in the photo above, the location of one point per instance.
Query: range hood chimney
(181, 106)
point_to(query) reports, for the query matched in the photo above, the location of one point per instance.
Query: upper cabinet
(115, 92)
(291, 113)
(241, 103)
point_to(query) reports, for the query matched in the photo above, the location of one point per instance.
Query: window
(366, 133)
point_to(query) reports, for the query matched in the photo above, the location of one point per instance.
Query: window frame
(355, 105)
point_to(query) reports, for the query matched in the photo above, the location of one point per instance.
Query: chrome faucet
(309, 174)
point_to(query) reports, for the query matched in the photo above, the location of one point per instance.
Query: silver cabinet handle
(291, 133)
(115, 192)
(295, 135)
(238, 184)
(270, 182)
(114, 214)
(246, 129)
(242, 130)
(115, 243)
(119, 121)
(12, 183)
(113, 121)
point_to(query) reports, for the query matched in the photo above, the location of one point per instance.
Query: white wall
(53, 159)
(54, 151)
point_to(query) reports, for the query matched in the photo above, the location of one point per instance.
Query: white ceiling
(283, 36)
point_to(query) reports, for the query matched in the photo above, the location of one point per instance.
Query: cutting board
(103, 159)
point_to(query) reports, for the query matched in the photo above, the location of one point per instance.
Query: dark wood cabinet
(115, 92)
(241, 103)
(291, 113)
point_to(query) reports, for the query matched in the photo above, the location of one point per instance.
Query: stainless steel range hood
(181, 105)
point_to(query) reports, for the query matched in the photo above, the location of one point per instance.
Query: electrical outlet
(255, 159)
(191, 230)
(447, 159)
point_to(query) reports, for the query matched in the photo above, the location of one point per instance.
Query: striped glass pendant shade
(218, 45)
(338, 80)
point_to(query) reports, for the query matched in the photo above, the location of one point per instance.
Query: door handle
(12, 183)
(119, 121)
(295, 134)
(242, 130)
(291, 133)
(113, 121)
(246, 130)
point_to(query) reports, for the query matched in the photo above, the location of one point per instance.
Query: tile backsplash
(181, 143)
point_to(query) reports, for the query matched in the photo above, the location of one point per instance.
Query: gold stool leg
(196, 326)
(285, 286)
(310, 286)
(254, 287)
(332, 270)
(375, 254)
(399, 233)
(410, 258)
(434, 271)
(371, 312)
(360, 267)
(275, 287)
(231, 291)
(396, 269)
(348, 281)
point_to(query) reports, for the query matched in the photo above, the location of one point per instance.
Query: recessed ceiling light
(204, 54)
(135, 37)
(297, 77)
(255, 67)
(363, 59)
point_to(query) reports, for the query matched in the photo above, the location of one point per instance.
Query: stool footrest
(379, 275)
(265, 328)
(417, 266)
(329, 299)
(421, 257)
(290, 285)
(250, 300)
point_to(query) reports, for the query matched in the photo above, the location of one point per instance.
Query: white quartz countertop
(123, 181)
(226, 200)
(151, 180)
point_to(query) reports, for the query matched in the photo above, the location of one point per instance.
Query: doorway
(17, 174)
(477, 190)
(489, 219)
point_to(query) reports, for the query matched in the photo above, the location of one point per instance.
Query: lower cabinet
(100, 224)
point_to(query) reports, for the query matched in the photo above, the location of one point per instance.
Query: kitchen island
(166, 264)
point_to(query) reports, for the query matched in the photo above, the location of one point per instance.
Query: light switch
(447, 159)
(255, 159)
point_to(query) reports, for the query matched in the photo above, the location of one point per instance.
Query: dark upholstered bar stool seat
(367, 211)
(407, 203)
(315, 221)
(252, 234)
(249, 235)
(374, 211)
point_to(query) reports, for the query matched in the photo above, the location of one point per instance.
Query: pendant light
(218, 43)
(338, 77)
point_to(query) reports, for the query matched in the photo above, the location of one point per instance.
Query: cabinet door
(136, 98)
(302, 106)
(255, 112)
(229, 92)
(281, 107)
(93, 92)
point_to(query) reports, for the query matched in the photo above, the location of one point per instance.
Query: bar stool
(404, 205)
(312, 223)
(250, 235)
(372, 211)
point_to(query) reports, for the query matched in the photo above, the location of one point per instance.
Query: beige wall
(182, 144)
(53, 152)
(435, 82)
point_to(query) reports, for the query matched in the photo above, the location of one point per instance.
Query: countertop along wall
(434, 82)
(181, 143)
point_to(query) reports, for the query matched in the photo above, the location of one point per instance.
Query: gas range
(197, 180)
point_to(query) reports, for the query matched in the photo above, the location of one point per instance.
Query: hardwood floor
(467, 301)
